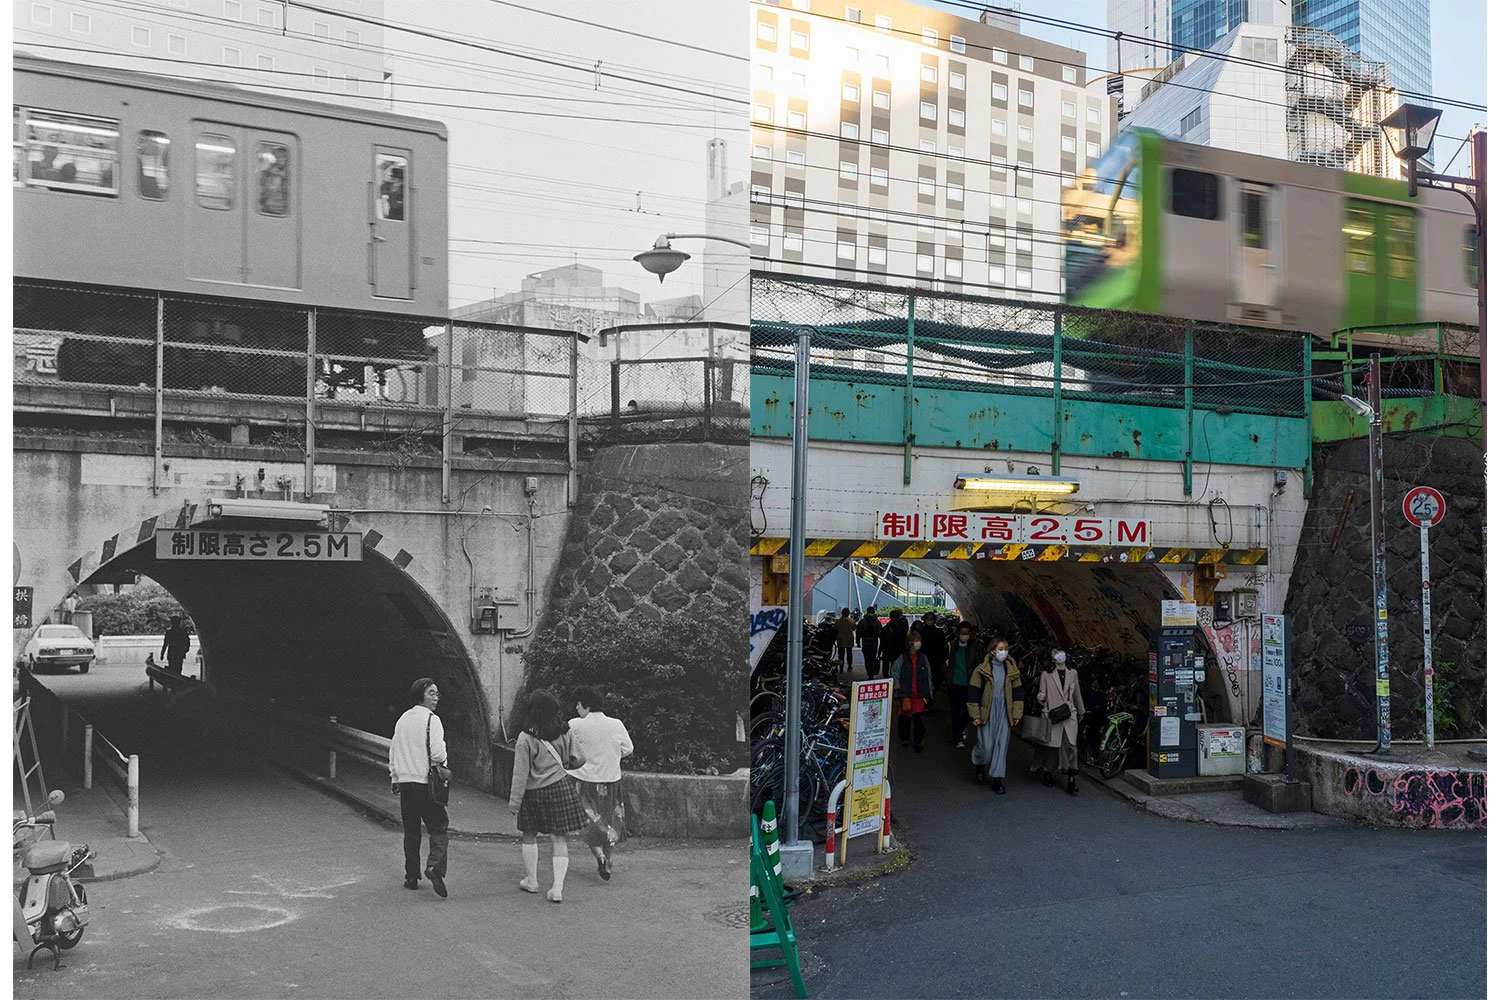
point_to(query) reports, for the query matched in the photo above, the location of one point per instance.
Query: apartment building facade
(896, 141)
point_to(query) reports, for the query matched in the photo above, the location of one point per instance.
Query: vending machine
(1174, 673)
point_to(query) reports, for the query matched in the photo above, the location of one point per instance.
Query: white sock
(559, 872)
(528, 857)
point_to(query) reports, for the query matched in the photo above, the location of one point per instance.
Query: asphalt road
(270, 889)
(1036, 894)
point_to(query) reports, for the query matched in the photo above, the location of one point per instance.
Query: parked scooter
(51, 908)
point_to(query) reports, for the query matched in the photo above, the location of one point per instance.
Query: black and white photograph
(380, 538)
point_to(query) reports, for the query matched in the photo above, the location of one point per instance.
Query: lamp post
(792, 749)
(1371, 411)
(661, 260)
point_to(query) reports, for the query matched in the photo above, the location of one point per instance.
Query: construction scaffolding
(1335, 101)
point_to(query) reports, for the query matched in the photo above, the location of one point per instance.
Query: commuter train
(1173, 228)
(241, 208)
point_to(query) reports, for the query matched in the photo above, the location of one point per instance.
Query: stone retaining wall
(1392, 794)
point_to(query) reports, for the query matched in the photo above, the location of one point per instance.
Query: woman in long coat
(1059, 686)
(913, 676)
(995, 709)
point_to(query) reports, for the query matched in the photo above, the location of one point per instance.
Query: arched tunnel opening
(341, 639)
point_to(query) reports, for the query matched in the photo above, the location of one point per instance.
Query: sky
(530, 191)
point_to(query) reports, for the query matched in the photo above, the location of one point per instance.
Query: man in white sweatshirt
(416, 745)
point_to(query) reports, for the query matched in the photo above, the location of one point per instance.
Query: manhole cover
(238, 918)
(736, 915)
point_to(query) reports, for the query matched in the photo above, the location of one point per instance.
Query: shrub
(143, 610)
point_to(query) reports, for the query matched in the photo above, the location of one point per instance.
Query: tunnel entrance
(342, 638)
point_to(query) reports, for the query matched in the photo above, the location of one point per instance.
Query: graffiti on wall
(1418, 798)
(764, 624)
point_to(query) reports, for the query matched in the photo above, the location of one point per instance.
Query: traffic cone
(769, 835)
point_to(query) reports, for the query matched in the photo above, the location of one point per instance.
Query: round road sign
(1424, 504)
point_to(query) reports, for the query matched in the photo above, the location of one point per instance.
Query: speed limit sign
(1424, 504)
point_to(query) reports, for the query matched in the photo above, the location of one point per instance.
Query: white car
(60, 646)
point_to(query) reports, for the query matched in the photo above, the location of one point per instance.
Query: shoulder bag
(439, 777)
(1060, 713)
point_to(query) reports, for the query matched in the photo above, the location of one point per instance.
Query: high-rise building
(337, 56)
(726, 291)
(1395, 32)
(894, 139)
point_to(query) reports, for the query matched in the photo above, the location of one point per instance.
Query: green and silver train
(1178, 229)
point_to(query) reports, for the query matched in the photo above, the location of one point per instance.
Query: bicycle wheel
(764, 726)
(1112, 755)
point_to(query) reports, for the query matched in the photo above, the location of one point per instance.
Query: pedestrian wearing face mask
(961, 663)
(913, 676)
(996, 700)
(1062, 706)
(892, 642)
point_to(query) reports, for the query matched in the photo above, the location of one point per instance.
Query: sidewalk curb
(1145, 804)
(378, 813)
(157, 856)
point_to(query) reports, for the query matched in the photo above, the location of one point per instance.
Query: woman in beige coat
(1059, 686)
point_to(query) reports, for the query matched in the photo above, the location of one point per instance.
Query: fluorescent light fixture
(1358, 406)
(268, 510)
(1027, 485)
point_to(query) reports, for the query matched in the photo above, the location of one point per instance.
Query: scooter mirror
(55, 797)
(49, 817)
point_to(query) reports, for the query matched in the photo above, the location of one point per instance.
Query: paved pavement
(1035, 893)
(268, 888)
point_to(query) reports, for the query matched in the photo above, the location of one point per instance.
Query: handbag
(1060, 714)
(439, 777)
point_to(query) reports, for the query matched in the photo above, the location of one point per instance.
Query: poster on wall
(869, 748)
(1179, 614)
(1273, 678)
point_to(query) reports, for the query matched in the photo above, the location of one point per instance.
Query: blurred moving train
(245, 208)
(1173, 228)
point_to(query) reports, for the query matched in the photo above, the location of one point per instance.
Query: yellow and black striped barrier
(853, 548)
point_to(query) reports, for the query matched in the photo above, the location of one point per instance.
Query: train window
(273, 179)
(1359, 238)
(1253, 229)
(1471, 256)
(1401, 243)
(151, 155)
(18, 148)
(1195, 194)
(390, 200)
(66, 152)
(215, 171)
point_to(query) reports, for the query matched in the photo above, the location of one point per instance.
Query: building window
(1024, 134)
(956, 43)
(265, 63)
(953, 267)
(763, 113)
(851, 92)
(1195, 194)
(799, 82)
(215, 171)
(266, 16)
(1092, 150)
(231, 56)
(41, 14)
(1070, 110)
(794, 200)
(883, 22)
(764, 31)
(846, 250)
(997, 274)
(924, 263)
(848, 171)
(1190, 121)
(1067, 180)
(141, 37)
(760, 194)
(1069, 144)
(801, 4)
(999, 92)
(1000, 56)
(997, 239)
(880, 137)
(997, 162)
(1023, 206)
(997, 127)
(956, 117)
(1027, 64)
(792, 242)
(320, 30)
(956, 193)
(877, 256)
(929, 36)
(852, 14)
(849, 130)
(760, 236)
(796, 158)
(1093, 116)
(176, 44)
(761, 151)
(351, 38)
(273, 180)
(878, 177)
(929, 74)
(929, 111)
(1070, 74)
(883, 64)
(351, 83)
(81, 23)
(956, 79)
(799, 41)
(1471, 256)
(1023, 241)
(151, 163)
(766, 73)
(882, 99)
(927, 187)
(926, 146)
(231, 10)
(796, 119)
(998, 200)
(1023, 98)
(1023, 278)
(320, 75)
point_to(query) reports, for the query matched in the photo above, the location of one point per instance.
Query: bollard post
(885, 823)
(833, 818)
(333, 757)
(88, 757)
(133, 789)
(770, 837)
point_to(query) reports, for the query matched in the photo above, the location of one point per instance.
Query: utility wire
(622, 31)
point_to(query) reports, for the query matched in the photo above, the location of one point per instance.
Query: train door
(215, 244)
(1380, 263)
(272, 216)
(390, 223)
(1257, 259)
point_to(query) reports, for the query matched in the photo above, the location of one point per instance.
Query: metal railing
(712, 393)
(68, 733)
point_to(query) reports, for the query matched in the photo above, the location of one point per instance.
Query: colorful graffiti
(764, 624)
(1448, 799)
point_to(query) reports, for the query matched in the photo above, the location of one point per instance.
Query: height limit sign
(1424, 507)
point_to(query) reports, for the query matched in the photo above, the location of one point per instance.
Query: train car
(1173, 228)
(244, 208)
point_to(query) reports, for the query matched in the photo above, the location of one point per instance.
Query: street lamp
(1369, 408)
(661, 260)
(1409, 130)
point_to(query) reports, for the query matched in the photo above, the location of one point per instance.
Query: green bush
(677, 684)
(143, 610)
